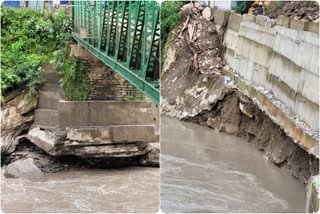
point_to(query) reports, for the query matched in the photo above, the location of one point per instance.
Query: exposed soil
(198, 49)
(251, 123)
(301, 10)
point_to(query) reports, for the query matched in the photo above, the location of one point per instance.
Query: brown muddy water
(113, 190)
(206, 171)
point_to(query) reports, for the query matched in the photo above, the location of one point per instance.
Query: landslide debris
(202, 39)
(301, 10)
(193, 53)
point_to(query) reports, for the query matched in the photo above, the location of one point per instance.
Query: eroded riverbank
(206, 171)
(126, 190)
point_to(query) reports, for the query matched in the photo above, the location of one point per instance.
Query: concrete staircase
(93, 129)
(46, 114)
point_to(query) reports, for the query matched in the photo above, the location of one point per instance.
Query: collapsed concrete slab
(109, 141)
(44, 139)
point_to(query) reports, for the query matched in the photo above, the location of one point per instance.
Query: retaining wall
(276, 63)
(105, 113)
(106, 84)
(280, 55)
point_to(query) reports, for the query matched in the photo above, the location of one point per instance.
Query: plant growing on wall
(243, 7)
(170, 17)
(136, 96)
(74, 76)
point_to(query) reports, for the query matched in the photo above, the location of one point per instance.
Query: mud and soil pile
(194, 89)
(301, 10)
(193, 53)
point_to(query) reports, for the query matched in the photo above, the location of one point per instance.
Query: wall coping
(290, 23)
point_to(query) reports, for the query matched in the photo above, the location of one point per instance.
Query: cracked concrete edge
(297, 130)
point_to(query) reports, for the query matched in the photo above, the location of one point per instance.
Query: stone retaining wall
(106, 84)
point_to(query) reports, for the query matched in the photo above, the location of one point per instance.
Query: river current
(113, 190)
(206, 171)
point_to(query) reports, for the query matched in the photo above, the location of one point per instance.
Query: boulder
(24, 169)
(27, 103)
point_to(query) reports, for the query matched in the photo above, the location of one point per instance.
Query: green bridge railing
(125, 35)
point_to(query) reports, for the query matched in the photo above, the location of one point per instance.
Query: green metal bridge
(125, 35)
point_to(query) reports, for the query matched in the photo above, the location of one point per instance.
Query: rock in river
(25, 169)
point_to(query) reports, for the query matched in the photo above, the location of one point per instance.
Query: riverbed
(114, 190)
(203, 170)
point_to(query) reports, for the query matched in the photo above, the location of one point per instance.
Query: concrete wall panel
(310, 88)
(286, 70)
(104, 113)
(254, 32)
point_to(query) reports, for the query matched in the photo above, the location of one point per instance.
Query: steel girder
(125, 35)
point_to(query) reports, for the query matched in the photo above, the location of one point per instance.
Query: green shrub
(28, 39)
(170, 17)
(243, 7)
(137, 96)
(74, 76)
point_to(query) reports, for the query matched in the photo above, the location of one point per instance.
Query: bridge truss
(125, 35)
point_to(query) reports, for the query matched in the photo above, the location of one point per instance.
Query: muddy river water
(206, 171)
(116, 190)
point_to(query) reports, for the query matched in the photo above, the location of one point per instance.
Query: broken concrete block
(42, 138)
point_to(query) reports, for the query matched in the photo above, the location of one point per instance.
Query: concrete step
(50, 87)
(98, 135)
(47, 67)
(51, 77)
(46, 117)
(157, 136)
(51, 128)
(48, 100)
